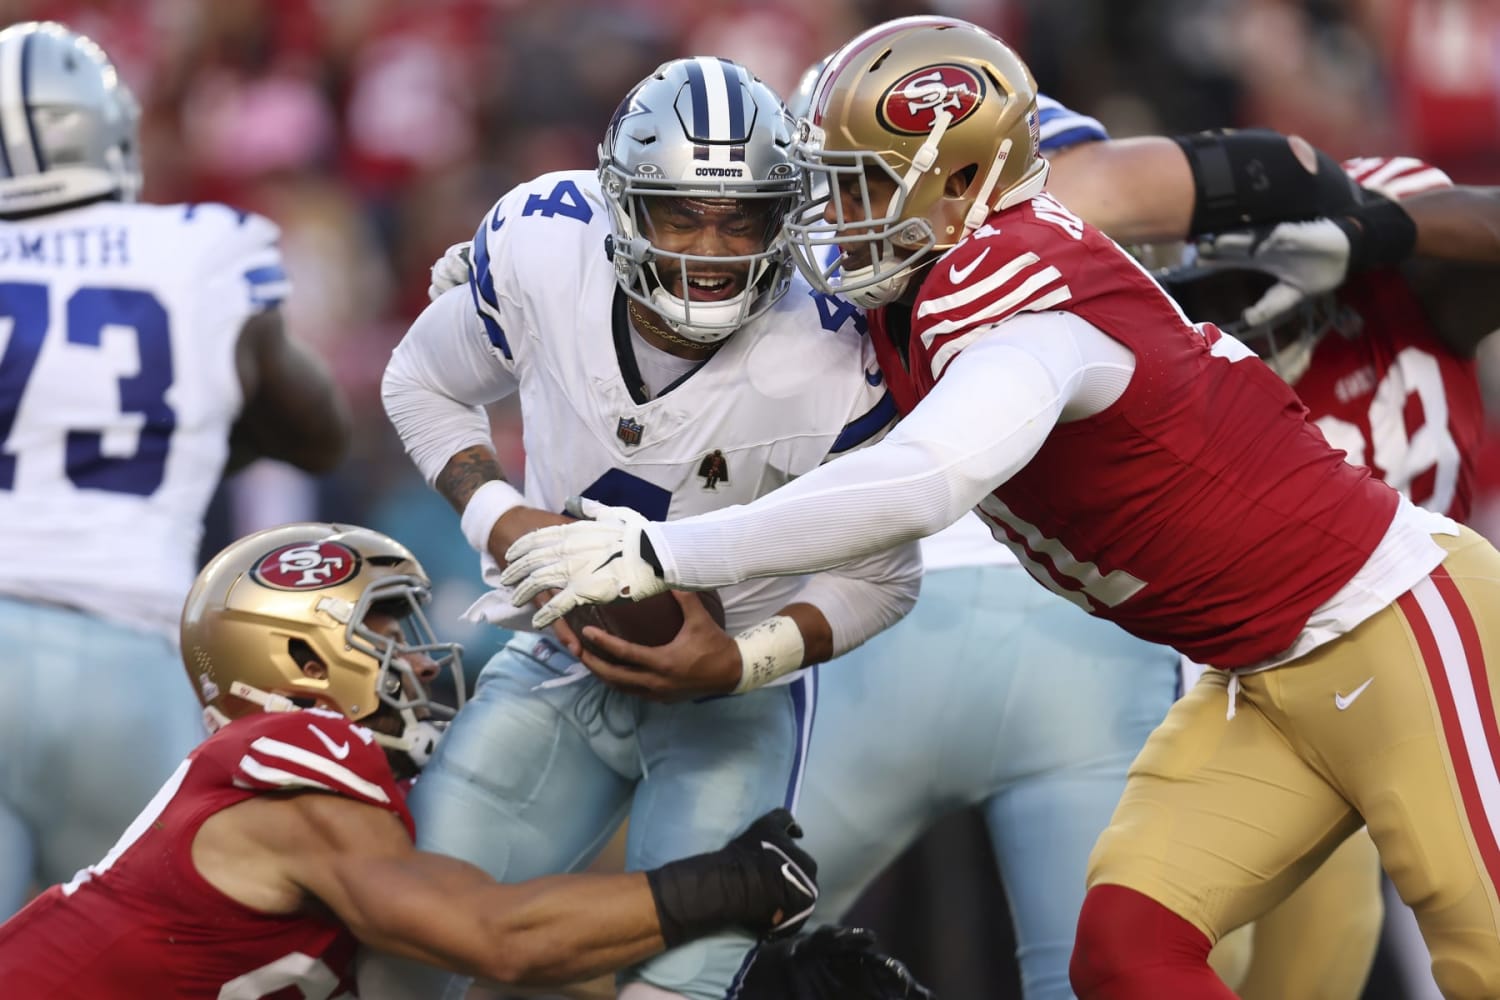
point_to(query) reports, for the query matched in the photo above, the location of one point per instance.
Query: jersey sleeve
(1062, 127)
(239, 257)
(995, 275)
(315, 751)
(523, 265)
(1396, 177)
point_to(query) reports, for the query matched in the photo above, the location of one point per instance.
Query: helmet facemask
(651, 219)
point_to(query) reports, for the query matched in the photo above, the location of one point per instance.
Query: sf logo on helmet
(307, 566)
(912, 103)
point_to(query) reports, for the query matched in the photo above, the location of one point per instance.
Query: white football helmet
(702, 128)
(68, 124)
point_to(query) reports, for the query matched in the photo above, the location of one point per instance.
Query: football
(652, 622)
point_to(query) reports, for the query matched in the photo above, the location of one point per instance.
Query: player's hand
(831, 962)
(702, 659)
(592, 562)
(787, 874)
(761, 881)
(451, 269)
(1306, 258)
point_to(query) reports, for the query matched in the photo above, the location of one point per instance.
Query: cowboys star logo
(912, 103)
(714, 469)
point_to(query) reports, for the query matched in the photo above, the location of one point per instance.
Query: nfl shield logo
(629, 430)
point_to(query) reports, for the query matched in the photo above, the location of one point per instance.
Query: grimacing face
(870, 190)
(709, 228)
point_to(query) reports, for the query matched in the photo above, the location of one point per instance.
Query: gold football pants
(1392, 725)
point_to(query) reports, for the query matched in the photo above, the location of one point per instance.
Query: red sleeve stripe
(1027, 297)
(325, 773)
(979, 289)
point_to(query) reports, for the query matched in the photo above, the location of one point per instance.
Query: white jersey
(786, 392)
(118, 387)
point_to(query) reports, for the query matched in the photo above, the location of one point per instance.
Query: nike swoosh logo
(495, 221)
(1341, 702)
(961, 274)
(874, 377)
(339, 750)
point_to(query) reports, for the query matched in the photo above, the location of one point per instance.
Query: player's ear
(958, 182)
(315, 670)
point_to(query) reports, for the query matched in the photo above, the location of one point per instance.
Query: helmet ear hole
(307, 661)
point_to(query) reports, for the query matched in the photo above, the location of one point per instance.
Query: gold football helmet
(273, 602)
(939, 108)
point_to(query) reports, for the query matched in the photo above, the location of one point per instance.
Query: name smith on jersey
(80, 246)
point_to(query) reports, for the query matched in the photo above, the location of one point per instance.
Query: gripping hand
(593, 561)
(1306, 258)
(1313, 257)
(831, 963)
(451, 270)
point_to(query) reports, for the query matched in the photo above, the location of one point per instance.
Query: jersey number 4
(25, 310)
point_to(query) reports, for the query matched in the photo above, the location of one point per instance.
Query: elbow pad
(1251, 177)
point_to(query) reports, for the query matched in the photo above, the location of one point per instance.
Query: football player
(144, 352)
(1359, 358)
(1154, 472)
(666, 359)
(284, 837)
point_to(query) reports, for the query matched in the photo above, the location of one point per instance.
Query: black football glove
(760, 881)
(831, 963)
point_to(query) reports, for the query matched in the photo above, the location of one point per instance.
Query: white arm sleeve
(992, 410)
(865, 596)
(438, 380)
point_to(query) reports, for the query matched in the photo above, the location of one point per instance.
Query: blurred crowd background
(378, 132)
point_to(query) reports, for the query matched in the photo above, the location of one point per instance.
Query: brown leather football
(652, 622)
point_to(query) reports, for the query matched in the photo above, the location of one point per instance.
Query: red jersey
(144, 923)
(1200, 510)
(1397, 400)
(1391, 394)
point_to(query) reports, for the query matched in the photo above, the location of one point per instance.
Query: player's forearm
(446, 913)
(1135, 190)
(1156, 188)
(860, 599)
(1457, 224)
(981, 424)
(562, 929)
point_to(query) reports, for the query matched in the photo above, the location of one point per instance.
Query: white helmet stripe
(15, 124)
(716, 83)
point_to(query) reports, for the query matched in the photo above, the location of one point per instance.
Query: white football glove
(592, 561)
(451, 269)
(1306, 258)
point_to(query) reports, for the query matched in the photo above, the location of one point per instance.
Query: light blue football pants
(533, 780)
(94, 718)
(992, 692)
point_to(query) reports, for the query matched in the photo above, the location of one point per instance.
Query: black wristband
(1380, 233)
(694, 897)
(1252, 177)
